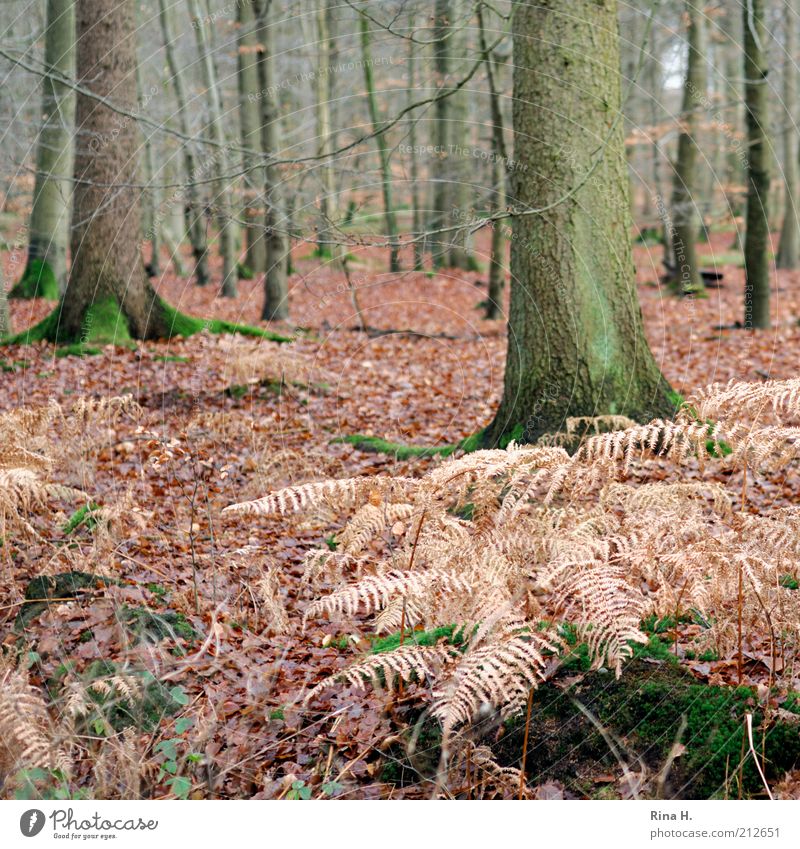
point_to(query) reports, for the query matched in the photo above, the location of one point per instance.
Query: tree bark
(255, 256)
(788, 246)
(497, 270)
(756, 245)
(576, 344)
(327, 198)
(417, 222)
(195, 214)
(45, 273)
(222, 187)
(276, 293)
(383, 149)
(685, 184)
(108, 297)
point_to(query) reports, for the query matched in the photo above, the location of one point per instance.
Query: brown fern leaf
(376, 591)
(340, 494)
(26, 736)
(403, 663)
(497, 675)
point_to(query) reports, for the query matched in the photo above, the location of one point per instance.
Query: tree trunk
(756, 244)
(788, 248)
(255, 256)
(195, 214)
(460, 163)
(383, 149)
(276, 293)
(5, 320)
(576, 345)
(222, 188)
(685, 184)
(45, 273)
(327, 198)
(437, 243)
(151, 225)
(497, 271)
(108, 297)
(417, 222)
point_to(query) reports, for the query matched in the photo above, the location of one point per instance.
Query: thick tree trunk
(5, 320)
(195, 214)
(108, 297)
(276, 293)
(255, 256)
(151, 225)
(685, 184)
(790, 231)
(222, 188)
(756, 245)
(576, 345)
(383, 149)
(45, 273)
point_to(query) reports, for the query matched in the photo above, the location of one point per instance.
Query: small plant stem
(525, 745)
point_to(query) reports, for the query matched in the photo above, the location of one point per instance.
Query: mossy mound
(37, 281)
(149, 626)
(65, 585)
(642, 712)
(142, 701)
(106, 324)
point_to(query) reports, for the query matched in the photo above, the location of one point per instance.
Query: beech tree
(685, 185)
(108, 298)
(787, 256)
(576, 344)
(756, 240)
(45, 273)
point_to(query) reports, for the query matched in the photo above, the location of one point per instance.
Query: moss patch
(643, 711)
(152, 627)
(37, 281)
(55, 587)
(184, 325)
(377, 445)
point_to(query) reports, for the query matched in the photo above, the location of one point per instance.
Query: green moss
(446, 633)
(244, 272)
(105, 324)
(78, 349)
(37, 281)
(82, 516)
(60, 586)
(114, 710)
(402, 452)
(643, 710)
(789, 582)
(184, 325)
(149, 626)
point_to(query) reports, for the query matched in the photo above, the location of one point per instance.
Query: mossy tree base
(37, 281)
(377, 445)
(105, 323)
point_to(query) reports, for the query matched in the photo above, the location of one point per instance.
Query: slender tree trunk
(731, 25)
(276, 292)
(5, 320)
(439, 169)
(461, 164)
(151, 228)
(45, 273)
(756, 245)
(222, 185)
(195, 214)
(497, 271)
(788, 248)
(255, 256)
(327, 198)
(417, 222)
(383, 149)
(685, 185)
(576, 344)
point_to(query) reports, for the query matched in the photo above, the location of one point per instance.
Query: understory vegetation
(521, 600)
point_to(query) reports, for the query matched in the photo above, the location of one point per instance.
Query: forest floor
(428, 373)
